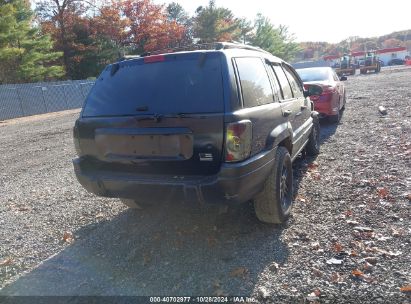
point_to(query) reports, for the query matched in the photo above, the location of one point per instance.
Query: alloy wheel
(285, 195)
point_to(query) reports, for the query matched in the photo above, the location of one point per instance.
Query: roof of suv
(231, 49)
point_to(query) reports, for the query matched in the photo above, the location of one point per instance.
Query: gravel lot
(347, 241)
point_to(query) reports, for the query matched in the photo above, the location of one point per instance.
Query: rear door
(290, 105)
(259, 98)
(156, 115)
(303, 105)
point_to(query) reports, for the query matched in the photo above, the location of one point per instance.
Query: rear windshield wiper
(159, 117)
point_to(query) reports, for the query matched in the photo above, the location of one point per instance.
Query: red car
(332, 101)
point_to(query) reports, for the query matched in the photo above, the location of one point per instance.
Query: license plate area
(145, 144)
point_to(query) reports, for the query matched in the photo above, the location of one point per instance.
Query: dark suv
(219, 125)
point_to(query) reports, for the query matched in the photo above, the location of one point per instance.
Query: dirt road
(348, 238)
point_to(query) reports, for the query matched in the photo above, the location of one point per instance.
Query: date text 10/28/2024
(233, 299)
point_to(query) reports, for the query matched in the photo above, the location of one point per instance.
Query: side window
(285, 86)
(255, 84)
(274, 82)
(294, 83)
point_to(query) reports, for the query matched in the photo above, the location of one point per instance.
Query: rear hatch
(159, 114)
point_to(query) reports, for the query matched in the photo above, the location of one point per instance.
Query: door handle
(287, 113)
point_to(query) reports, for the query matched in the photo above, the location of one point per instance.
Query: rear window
(314, 74)
(182, 83)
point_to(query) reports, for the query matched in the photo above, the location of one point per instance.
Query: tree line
(316, 50)
(75, 39)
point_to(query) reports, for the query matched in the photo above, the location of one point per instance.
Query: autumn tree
(25, 54)
(110, 35)
(392, 42)
(150, 29)
(90, 36)
(67, 23)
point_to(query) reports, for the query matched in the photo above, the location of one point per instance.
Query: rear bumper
(325, 108)
(235, 183)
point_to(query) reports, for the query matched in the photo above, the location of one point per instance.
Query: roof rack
(236, 45)
(206, 46)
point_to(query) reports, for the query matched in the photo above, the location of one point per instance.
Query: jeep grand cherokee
(219, 125)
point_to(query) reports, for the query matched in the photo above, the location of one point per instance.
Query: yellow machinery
(347, 66)
(371, 63)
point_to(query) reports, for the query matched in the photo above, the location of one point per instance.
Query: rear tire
(313, 146)
(344, 102)
(335, 118)
(273, 204)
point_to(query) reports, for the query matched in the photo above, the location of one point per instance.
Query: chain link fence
(18, 100)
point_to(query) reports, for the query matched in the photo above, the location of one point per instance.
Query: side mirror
(312, 90)
(343, 78)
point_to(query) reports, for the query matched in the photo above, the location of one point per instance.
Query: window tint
(255, 85)
(294, 83)
(179, 84)
(314, 74)
(274, 82)
(285, 86)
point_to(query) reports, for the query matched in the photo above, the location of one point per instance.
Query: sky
(321, 20)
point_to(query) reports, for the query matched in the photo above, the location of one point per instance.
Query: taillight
(152, 59)
(328, 89)
(238, 141)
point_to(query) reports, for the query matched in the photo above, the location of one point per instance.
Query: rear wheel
(273, 204)
(344, 102)
(335, 118)
(313, 146)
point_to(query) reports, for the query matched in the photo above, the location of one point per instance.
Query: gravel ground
(347, 241)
